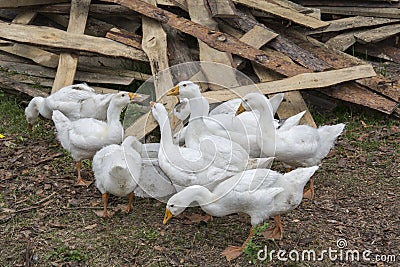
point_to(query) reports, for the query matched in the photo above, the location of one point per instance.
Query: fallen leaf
(90, 227)
(2, 136)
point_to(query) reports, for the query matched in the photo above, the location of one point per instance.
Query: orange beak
(240, 109)
(152, 103)
(173, 91)
(168, 215)
(133, 95)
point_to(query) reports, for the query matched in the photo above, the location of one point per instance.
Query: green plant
(253, 247)
(64, 253)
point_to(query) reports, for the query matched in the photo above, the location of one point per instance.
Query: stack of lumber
(283, 46)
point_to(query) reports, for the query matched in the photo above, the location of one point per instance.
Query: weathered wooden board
(154, 43)
(98, 9)
(93, 76)
(125, 37)
(9, 83)
(342, 41)
(341, 60)
(21, 3)
(200, 14)
(362, 11)
(298, 82)
(68, 62)
(47, 36)
(40, 56)
(362, 96)
(222, 8)
(213, 38)
(350, 3)
(293, 103)
(377, 34)
(256, 37)
(285, 13)
(381, 50)
(246, 22)
(25, 17)
(352, 23)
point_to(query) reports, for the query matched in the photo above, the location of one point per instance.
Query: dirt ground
(46, 221)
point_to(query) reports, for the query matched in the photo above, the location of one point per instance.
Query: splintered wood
(282, 46)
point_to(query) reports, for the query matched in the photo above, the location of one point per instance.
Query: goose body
(231, 128)
(84, 137)
(293, 144)
(188, 166)
(117, 170)
(74, 101)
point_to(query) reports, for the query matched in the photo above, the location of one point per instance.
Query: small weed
(150, 234)
(64, 253)
(252, 247)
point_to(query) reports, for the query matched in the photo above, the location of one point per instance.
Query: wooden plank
(213, 38)
(381, 50)
(93, 75)
(199, 13)
(342, 41)
(246, 22)
(298, 82)
(25, 17)
(361, 11)
(352, 23)
(11, 84)
(21, 3)
(68, 62)
(362, 96)
(125, 37)
(294, 102)
(51, 37)
(222, 8)
(377, 34)
(341, 60)
(256, 37)
(40, 56)
(285, 13)
(350, 3)
(154, 44)
(98, 9)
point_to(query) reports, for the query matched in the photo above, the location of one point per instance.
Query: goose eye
(172, 205)
(123, 95)
(184, 85)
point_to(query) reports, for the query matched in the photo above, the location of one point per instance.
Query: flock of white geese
(221, 160)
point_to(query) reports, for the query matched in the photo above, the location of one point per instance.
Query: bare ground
(46, 221)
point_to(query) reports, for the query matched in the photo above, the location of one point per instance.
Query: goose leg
(80, 181)
(309, 193)
(105, 204)
(130, 199)
(232, 252)
(275, 233)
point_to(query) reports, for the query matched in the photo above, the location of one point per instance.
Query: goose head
(32, 111)
(158, 110)
(185, 89)
(122, 99)
(254, 101)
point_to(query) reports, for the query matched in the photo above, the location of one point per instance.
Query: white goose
(259, 193)
(84, 137)
(74, 101)
(239, 129)
(187, 166)
(295, 145)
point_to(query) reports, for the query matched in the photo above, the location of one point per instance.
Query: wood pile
(284, 46)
